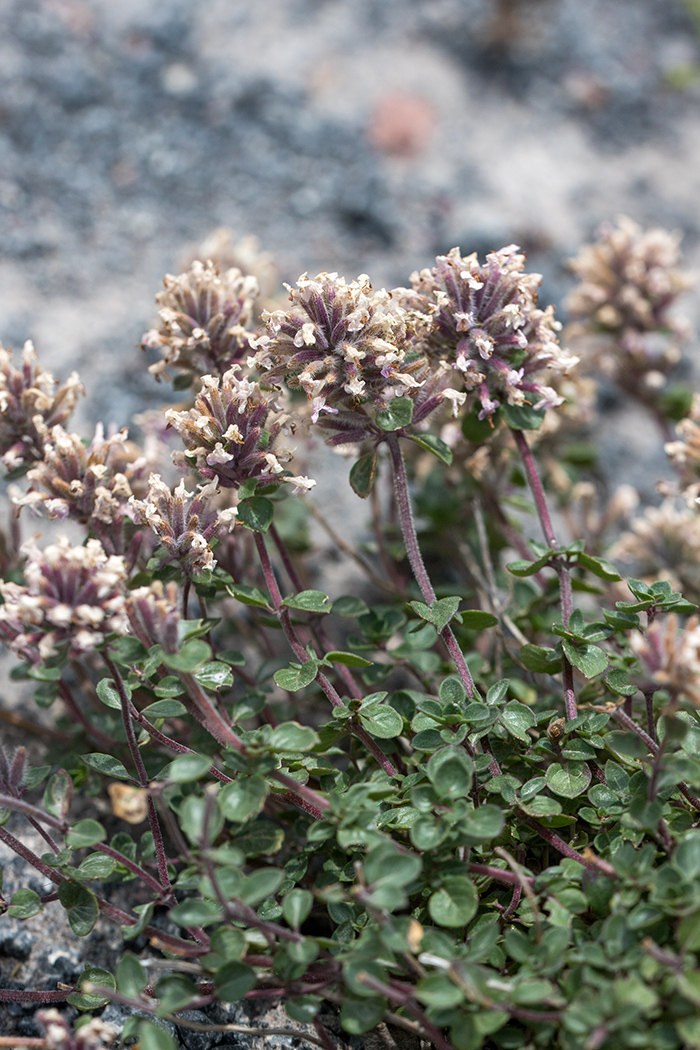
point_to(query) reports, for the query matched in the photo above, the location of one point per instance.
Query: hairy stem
(560, 566)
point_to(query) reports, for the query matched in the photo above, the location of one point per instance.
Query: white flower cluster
(73, 596)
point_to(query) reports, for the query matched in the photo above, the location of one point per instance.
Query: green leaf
(96, 866)
(517, 718)
(439, 612)
(618, 682)
(244, 798)
(187, 767)
(191, 657)
(522, 567)
(348, 605)
(482, 825)
(522, 417)
(58, 794)
(85, 833)
(214, 675)
(261, 884)
(168, 687)
(107, 692)
(195, 912)
(256, 513)
(399, 414)
(131, 976)
(296, 676)
(234, 980)
(80, 904)
(477, 619)
(439, 991)
(455, 903)
(290, 736)
(296, 907)
(24, 904)
(309, 601)
(361, 1015)
(337, 656)
(164, 709)
(248, 595)
(303, 1008)
(569, 779)
(363, 475)
(174, 992)
(540, 659)
(108, 766)
(433, 444)
(89, 1000)
(153, 1036)
(127, 651)
(598, 566)
(589, 659)
(145, 914)
(381, 720)
(450, 771)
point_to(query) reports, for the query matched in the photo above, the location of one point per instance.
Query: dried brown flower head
(231, 431)
(74, 598)
(185, 523)
(685, 453)
(485, 326)
(31, 402)
(204, 318)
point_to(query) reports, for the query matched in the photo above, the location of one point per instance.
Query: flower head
(74, 597)
(90, 484)
(629, 280)
(204, 316)
(664, 543)
(343, 344)
(231, 431)
(153, 615)
(685, 452)
(30, 404)
(671, 656)
(486, 326)
(184, 522)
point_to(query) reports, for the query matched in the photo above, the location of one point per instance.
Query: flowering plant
(459, 799)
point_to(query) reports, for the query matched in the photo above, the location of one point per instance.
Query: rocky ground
(356, 135)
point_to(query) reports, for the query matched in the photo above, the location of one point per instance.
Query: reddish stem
(558, 563)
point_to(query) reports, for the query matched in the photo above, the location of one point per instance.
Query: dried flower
(671, 655)
(204, 316)
(153, 615)
(74, 598)
(184, 522)
(630, 278)
(231, 431)
(345, 345)
(30, 405)
(90, 484)
(486, 326)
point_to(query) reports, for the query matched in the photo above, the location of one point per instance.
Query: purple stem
(161, 859)
(508, 877)
(31, 858)
(307, 799)
(558, 563)
(564, 848)
(302, 655)
(624, 720)
(408, 528)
